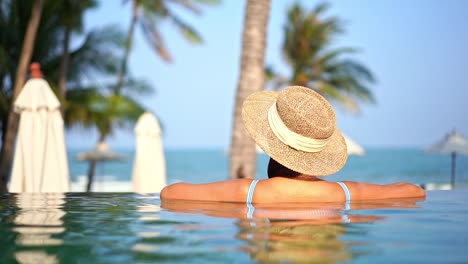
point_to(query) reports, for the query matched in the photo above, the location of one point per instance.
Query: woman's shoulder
(230, 191)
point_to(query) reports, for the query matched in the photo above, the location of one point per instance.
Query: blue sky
(416, 49)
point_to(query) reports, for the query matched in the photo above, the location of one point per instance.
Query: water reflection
(294, 241)
(35, 256)
(148, 211)
(38, 220)
(295, 233)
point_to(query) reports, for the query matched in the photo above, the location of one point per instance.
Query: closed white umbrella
(453, 143)
(40, 162)
(149, 168)
(353, 147)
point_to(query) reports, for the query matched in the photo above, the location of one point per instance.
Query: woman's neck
(303, 177)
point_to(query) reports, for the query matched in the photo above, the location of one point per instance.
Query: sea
(378, 165)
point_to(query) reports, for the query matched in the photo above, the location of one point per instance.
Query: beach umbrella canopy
(149, 168)
(353, 147)
(453, 143)
(101, 152)
(40, 162)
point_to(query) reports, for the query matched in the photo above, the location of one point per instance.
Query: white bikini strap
(346, 191)
(249, 199)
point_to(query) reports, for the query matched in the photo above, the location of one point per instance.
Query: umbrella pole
(92, 167)
(452, 180)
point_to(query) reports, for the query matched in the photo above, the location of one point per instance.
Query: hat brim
(326, 162)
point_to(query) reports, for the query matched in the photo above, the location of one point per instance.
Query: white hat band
(291, 138)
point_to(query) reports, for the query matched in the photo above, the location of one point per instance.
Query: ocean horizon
(380, 165)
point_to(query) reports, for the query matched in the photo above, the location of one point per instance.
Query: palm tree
(95, 58)
(251, 79)
(148, 14)
(314, 63)
(95, 106)
(90, 108)
(71, 12)
(24, 60)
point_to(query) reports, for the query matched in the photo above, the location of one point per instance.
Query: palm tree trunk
(6, 153)
(128, 47)
(62, 82)
(251, 79)
(92, 166)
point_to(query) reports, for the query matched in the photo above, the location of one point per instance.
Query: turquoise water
(377, 166)
(131, 228)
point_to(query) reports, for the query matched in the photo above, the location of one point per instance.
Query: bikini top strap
(348, 199)
(251, 191)
(346, 191)
(249, 199)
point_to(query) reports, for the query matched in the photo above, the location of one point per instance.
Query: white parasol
(149, 169)
(40, 162)
(353, 147)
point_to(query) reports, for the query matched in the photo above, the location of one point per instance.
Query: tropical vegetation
(148, 15)
(83, 75)
(95, 56)
(315, 62)
(10, 124)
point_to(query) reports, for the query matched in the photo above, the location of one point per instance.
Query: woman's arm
(228, 191)
(368, 191)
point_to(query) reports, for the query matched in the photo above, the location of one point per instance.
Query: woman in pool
(297, 129)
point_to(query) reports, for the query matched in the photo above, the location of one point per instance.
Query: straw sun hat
(297, 128)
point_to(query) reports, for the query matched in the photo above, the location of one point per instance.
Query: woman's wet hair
(275, 169)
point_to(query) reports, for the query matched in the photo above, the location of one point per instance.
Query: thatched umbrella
(101, 153)
(453, 143)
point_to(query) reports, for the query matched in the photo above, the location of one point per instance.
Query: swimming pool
(134, 228)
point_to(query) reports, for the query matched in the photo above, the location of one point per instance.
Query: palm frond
(97, 55)
(131, 87)
(306, 49)
(194, 5)
(154, 37)
(328, 56)
(275, 79)
(153, 12)
(188, 5)
(333, 94)
(188, 32)
(71, 12)
(320, 8)
(87, 107)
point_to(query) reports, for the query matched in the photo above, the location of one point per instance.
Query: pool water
(135, 228)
